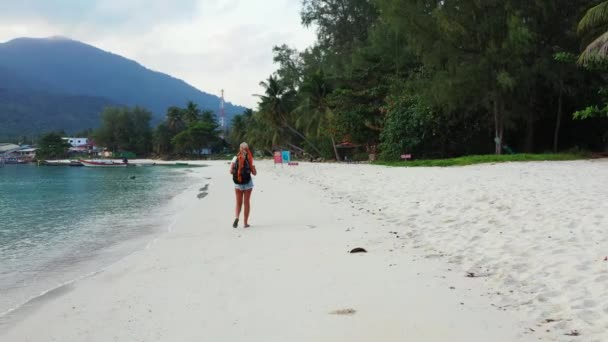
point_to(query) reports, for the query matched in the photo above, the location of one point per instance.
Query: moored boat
(52, 163)
(62, 162)
(102, 163)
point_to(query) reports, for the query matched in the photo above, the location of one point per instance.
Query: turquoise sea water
(60, 223)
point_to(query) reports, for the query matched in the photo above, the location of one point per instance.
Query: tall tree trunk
(333, 143)
(529, 147)
(497, 128)
(296, 147)
(501, 134)
(502, 125)
(558, 120)
(296, 132)
(530, 118)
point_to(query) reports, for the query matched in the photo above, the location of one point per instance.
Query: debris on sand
(475, 275)
(344, 312)
(573, 333)
(358, 250)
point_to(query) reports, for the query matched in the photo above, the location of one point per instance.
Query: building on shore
(82, 147)
(28, 153)
(6, 148)
(76, 142)
(15, 154)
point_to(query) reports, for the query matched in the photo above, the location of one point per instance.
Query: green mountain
(58, 83)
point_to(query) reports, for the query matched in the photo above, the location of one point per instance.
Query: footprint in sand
(573, 281)
(589, 304)
(601, 279)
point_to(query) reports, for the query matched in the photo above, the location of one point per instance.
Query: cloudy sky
(211, 44)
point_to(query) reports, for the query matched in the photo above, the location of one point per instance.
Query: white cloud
(211, 44)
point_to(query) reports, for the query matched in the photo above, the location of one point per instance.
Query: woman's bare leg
(239, 203)
(247, 206)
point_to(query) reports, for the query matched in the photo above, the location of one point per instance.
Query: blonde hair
(244, 146)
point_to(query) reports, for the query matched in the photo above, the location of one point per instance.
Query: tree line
(438, 78)
(185, 132)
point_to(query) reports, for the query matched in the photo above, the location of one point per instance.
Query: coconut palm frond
(595, 17)
(596, 51)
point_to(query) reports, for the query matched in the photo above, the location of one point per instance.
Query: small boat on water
(53, 163)
(102, 163)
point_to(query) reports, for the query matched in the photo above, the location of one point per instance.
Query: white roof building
(75, 142)
(7, 148)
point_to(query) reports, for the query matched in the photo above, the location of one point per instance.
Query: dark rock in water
(358, 250)
(204, 188)
(132, 177)
(202, 195)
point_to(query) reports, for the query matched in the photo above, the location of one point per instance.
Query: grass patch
(484, 159)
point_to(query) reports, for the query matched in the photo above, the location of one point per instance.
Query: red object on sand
(278, 159)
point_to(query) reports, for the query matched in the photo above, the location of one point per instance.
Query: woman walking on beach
(241, 169)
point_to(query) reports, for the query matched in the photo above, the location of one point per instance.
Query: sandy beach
(507, 252)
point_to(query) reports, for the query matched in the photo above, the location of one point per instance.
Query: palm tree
(276, 102)
(314, 112)
(248, 114)
(237, 130)
(162, 139)
(209, 117)
(191, 114)
(175, 119)
(595, 24)
(275, 107)
(258, 132)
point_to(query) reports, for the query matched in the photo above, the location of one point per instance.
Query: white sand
(537, 230)
(283, 279)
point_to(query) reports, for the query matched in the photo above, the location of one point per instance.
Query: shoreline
(106, 256)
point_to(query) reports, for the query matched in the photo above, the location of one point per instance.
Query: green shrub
(409, 124)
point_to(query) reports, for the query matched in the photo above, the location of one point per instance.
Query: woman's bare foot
(247, 226)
